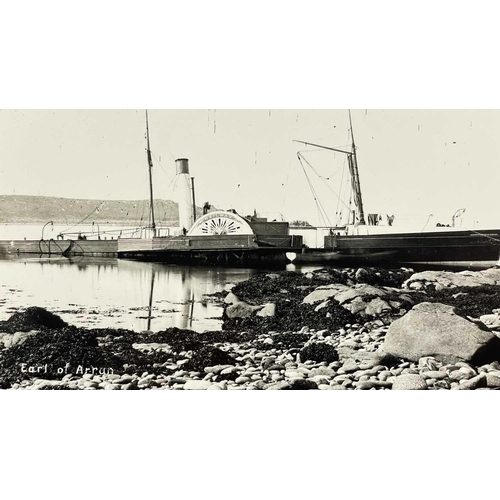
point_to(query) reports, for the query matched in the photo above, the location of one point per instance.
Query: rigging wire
(339, 216)
(322, 178)
(321, 211)
(85, 218)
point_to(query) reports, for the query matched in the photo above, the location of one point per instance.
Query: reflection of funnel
(184, 319)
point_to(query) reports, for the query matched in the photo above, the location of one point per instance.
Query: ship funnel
(182, 165)
(184, 194)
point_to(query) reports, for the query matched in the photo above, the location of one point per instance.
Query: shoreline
(328, 329)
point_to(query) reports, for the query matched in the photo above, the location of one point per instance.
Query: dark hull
(462, 248)
(218, 257)
(321, 256)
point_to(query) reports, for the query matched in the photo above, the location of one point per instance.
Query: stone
(321, 306)
(242, 380)
(356, 306)
(352, 344)
(279, 386)
(448, 279)
(267, 362)
(320, 295)
(350, 366)
(112, 387)
(492, 380)
(320, 379)
(303, 385)
(429, 363)
(268, 311)
(6, 338)
(473, 383)
(409, 382)
(362, 274)
(197, 385)
(492, 321)
(377, 307)
(125, 379)
(433, 329)
(459, 375)
(229, 370)
(360, 290)
(370, 384)
(231, 298)
(214, 387)
(240, 310)
(20, 337)
(370, 359)
(323, 370)
(434, 374)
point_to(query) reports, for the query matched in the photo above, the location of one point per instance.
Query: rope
(485, 235)
(321, 210)
(339, 216)
(329, 187)
(85, 218)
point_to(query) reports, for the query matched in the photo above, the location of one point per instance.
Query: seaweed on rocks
(288, 289)
(275, 287)
(190, 340)
(468, 301)
(381, 276)
(370, 275)
(302, 385)
(319, 351)
(32, 318)
(52, 350)
(292, 316)
(208, 356)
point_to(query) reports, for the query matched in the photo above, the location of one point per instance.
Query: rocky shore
(362, 329)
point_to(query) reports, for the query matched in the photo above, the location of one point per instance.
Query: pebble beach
(350, 329)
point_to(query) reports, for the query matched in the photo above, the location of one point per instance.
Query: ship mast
(150, 163)
(353, 170)
(356, 186)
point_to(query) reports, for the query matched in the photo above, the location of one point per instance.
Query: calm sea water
(114, 293)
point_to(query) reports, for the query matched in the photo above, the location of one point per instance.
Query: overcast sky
(410, 161)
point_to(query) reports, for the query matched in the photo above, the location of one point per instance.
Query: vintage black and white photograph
(249, 250)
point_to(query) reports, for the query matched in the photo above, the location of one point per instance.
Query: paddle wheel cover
(220, 223)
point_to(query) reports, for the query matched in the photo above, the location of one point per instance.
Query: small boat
(364, 241)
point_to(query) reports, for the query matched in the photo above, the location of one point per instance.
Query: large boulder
(432, 329)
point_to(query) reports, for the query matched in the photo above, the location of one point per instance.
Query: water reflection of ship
(181, 287)
(184, 320)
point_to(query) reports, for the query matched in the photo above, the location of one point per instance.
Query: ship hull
(450, 248)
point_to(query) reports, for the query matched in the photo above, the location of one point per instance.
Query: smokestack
(184, 195)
